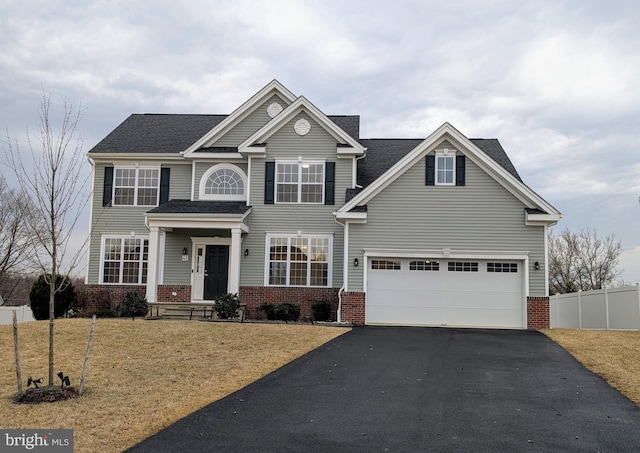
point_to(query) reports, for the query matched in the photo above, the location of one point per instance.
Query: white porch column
(152, 264)
(234, 260)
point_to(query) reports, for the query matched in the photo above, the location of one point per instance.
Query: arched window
(223, 182)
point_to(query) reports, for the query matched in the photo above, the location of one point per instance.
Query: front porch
(194, 311)
(195, 250)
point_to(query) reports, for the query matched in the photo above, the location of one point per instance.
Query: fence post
(638, 292)
(579, 310)
(606, 303)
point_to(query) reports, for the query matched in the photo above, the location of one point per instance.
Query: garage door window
(393, 265)
(424, 265)
(463, 266)
(502, 267)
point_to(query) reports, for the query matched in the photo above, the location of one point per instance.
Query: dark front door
(216, 266)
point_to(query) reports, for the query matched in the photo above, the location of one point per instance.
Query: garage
(445, 292)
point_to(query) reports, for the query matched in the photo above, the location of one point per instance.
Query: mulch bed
(46, 395)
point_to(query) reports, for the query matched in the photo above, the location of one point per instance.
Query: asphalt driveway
(378, 389)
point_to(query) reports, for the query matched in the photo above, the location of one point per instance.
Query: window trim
(211, 170)
(449, 155)
(121, 260)
(137, 184)
(299, 163)
(308, 237)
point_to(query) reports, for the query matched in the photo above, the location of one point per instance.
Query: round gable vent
(274, 109)
(302, 127)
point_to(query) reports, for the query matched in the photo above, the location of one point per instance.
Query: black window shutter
(107, 192)
(330, 183)
(165, 173)
(269, 181)
(431, 170)
(460, 165)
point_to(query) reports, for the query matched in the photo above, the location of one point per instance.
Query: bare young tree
(50, 173)
(17, 239)
(582, 261)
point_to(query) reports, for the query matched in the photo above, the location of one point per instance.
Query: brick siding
(174, 293)
(538, 313)
(353, 307)
(99, 297)
(254, 296)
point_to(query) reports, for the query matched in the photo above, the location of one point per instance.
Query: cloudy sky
(558, 82)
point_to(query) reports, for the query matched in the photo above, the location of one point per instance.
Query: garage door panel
(444, 297)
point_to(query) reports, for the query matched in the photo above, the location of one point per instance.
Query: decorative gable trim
(254, 145)
(274, 87)
(471, 151)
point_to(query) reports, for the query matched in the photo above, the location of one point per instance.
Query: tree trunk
(52, 296)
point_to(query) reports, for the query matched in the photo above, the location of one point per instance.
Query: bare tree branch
(49, 175)
(582, 261)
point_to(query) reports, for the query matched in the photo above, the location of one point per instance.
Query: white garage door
(468, 293)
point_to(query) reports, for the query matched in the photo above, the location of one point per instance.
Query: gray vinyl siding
(176, 271)
(254, 121)
(180, 181)
(201, 169)
(118, 220)
(291, 218)
(480, 216)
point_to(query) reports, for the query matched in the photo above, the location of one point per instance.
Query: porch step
(185, 311)
(180, 311)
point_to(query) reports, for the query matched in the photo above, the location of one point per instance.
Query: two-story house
(278, 201)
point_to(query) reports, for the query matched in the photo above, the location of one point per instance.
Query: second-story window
(299, 182)
(136, 186)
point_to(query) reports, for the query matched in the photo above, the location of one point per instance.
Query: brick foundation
(353, 307)
(253, 296)
(174, 293)
(99, 297)
(537, 313)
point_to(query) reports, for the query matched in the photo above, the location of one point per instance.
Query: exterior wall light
(246, 252)
(355, 262)
(536, 266)
(184, 251)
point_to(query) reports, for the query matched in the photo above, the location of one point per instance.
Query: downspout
(93, 179)
(344, 270)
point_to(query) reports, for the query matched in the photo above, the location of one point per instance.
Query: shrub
(287, 311)
(269, 310)
(321, 310)
(104, 313)
(133, 304)
(39, 296)
(227, 306)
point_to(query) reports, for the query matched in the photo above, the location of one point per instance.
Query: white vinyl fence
(606, 309)
(23, 314)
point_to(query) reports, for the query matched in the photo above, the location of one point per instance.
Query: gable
(345, 144)
(253, 121)
(449, 135)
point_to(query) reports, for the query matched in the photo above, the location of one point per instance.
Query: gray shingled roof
(383, 153)
(201, 207)
(160, 133)
(154, 133)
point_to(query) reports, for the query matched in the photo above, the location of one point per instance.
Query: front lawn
(143, 375)
(612, 355)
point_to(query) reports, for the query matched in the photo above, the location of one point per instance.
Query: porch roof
(201, 207)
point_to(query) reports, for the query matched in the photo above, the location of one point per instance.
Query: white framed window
(445, 169)
(502, 267)
(304, 260)
(389, 265)
(424, 265)
(223, 182)
(136, 186)
(299, 182)
(124, 260)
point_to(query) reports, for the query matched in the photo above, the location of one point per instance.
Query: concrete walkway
(379, 389)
